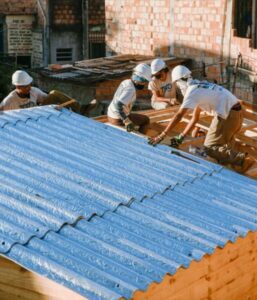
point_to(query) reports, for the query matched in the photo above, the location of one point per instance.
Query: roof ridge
(12, 117)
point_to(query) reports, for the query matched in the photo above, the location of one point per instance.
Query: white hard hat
(157, 65)
(21, 78)
(180, 72)
(143, 70)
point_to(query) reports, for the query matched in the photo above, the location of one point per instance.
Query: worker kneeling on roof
(227, 121)
(163, 90)
(119, 111)
(25, 96)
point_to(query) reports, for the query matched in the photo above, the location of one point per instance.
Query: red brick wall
(66, 12)
(96, 12)
(18, 7)
(105, 90)
(198, 30)
(138, 26)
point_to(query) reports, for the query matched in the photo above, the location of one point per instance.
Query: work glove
(129, 125)
(176, 141)
(156, 140)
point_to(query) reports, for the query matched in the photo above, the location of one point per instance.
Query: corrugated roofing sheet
(56, 167)
(103, 213)
(112, 256)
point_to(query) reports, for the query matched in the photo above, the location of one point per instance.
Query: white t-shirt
(126, 93)
(165, 88)
(209, 97)
(14, 101)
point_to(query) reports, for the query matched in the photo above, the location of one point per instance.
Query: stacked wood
(229, 273)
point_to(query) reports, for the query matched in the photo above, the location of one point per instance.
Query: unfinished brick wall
(105, 90)
(203, 31)
(138, 26)
(66, 12)
(199, 30)
(18, 7)
(96, 12)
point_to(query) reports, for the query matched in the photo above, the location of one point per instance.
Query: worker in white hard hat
(25, 96)
(163, 91)
(205, 96)
(119, 111)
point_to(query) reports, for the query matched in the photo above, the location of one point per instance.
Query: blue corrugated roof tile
(105, 214)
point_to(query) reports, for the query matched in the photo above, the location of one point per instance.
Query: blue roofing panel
(122, 251)
(57, 167)
(105, 214)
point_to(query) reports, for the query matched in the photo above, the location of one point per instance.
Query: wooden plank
(252, 172)
(248, 127)
(248, 141)
(229, 273)
(248, 114)
(19, 283)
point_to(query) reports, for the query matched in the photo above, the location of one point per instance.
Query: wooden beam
(228, 273)
(246, 140)
(17, 283)
(248, 127)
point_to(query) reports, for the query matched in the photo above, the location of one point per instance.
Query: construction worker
(119, 111)
(226, 123)
(25, 96)
(164, 92)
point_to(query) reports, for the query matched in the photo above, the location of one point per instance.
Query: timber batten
(246, 139)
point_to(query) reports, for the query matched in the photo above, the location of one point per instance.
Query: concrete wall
(66, 39)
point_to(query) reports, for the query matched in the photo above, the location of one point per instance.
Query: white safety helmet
(21, 78)
(143, 70)
(180, 72)
(157, 65)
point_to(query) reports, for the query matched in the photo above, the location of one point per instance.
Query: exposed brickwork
(96, 12)
(66, 12)
(106, 89)
(197, 29)
(18, 7)
(138, 26)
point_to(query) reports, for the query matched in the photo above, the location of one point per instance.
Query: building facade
(41, 32)
(210, 32)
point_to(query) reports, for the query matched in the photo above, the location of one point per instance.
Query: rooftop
(100, 69)
(100, 211)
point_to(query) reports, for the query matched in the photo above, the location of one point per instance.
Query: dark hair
(166, 70)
